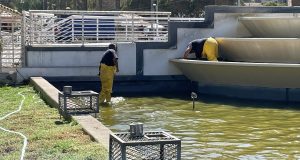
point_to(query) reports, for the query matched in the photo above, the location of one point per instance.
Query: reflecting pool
(217, 128)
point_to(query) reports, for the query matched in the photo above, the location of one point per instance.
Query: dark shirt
(108, 57)
(197, 47)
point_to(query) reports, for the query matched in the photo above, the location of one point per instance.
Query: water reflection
(216, 129)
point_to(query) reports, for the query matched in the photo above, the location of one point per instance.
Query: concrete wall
(148, 63)
(78, 62)
(156, 61)
(127, 58)
(44, 59)
(147, 59)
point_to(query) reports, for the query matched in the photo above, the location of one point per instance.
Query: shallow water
(216, 129)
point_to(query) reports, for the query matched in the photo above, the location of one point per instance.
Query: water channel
(218, 128)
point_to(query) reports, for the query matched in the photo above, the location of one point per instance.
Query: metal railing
(66, 26)
(10, 35)
(77, 27)
(183, 19)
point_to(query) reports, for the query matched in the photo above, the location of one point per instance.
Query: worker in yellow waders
(210, 49)
(195, 46)
(107, 69)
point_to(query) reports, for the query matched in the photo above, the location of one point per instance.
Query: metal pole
(239, 2)
(193, 96)
(73, 26)
(193, 104)
(123, 152)
(23, 36)
(110, 148)
(1, 46)
(161, 152)
(151, 5)
(157, 1)
(126, 29)
(31, 29)
(12, 41)
(179, 151)
(132, 26)
(86, 5)
(82, 29)
(97, 29)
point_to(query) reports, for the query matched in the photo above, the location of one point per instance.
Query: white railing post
(97, 29)
(168, 27)
(54, 32)
(73, 34)
(31, 28)
(132, 26)
(154, 21)
(156, 25)
(1, 45)
(23, 38)
(12, 40)
(126, 29)
(82, 29)
(40, 33)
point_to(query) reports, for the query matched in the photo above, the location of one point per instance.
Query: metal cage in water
(152, 145)
(79, 102)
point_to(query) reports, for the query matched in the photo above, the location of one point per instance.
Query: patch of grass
(48, 136)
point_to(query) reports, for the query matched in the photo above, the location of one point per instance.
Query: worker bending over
(203, 48)
(210, 49)
(195, 46)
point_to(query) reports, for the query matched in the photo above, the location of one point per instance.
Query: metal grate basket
(79, 102)
(151, 146)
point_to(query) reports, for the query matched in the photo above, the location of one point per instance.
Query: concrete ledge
(48, 92)
(26, 73)
(94, 128)
(90, 125)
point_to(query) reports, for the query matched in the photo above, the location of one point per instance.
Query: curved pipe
(270, 50)
(273, 75)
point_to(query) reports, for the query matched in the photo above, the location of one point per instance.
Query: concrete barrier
(90, 125)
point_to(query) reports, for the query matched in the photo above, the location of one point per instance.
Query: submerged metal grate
(151, 146)
(79, 102)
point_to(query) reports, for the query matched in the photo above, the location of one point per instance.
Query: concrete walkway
(90, 125)
(94, 128)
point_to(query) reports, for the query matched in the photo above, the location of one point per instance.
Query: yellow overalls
(107, 79)
(210, 49)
